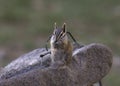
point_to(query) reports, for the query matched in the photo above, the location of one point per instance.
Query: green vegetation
(28, 23)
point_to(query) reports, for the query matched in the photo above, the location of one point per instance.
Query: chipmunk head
(59, 37)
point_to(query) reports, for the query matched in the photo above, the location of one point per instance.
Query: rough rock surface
(89, 65)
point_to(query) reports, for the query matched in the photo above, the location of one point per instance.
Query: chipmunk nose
(56, 43)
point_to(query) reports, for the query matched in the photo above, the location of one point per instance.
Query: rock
(89, 65)
(25, 63)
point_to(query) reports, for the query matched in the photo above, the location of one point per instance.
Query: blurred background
(26, 24)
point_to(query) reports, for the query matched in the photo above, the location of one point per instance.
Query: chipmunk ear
(64, 28)
(55, 25)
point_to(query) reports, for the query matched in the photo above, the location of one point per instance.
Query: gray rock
(25, 63)
(89, 65)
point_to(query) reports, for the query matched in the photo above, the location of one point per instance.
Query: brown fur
(63, 54)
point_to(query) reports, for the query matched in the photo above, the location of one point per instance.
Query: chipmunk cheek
(53, 39)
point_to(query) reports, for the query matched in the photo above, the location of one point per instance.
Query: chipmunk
(61, 47)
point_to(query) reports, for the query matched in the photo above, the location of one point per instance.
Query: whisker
(42, 55)
(46, 47)
(72, 37)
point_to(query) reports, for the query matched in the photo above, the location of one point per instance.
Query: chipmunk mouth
(58, 45)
